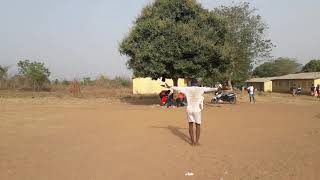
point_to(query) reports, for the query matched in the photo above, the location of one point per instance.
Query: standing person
(318, 91)
(194, 95)
(251, 93)
(299, 90)
(312, 90)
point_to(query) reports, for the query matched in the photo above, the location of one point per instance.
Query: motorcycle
(221, 97)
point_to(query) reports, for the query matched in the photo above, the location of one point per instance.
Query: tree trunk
(175, 81)
(230, 84)
(34, 86)
(230, 81)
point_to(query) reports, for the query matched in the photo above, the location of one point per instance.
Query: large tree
(312, 66)
(245, 41)
(175, 38)
(278, 67)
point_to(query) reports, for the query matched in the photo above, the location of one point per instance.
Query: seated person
(181, 100)
(170, 100)
(164, 97)
(164, 93)
(164, 100)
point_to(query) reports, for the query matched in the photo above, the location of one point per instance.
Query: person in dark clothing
(318, 91)
(312, 90)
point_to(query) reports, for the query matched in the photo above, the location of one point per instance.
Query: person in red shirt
(181, 100)
(164, 96)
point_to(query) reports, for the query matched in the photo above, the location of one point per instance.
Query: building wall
(149, 86)
(316, 82)
(257, 85)
(268, 86)
(285, 85)
(262, 86)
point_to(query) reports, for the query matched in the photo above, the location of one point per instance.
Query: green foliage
(66, 82)
(86, 81)
(312, 66)
(34, 71)
(245, 41)
(175, 38)
(124, 82)
(4, 72)
(278, 67)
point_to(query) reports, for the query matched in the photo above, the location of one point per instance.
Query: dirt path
(121, 141)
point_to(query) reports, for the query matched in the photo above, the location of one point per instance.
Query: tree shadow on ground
(177, 132)
(141, 100)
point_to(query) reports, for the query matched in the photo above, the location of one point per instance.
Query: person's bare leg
(191, 133)
(197, 134)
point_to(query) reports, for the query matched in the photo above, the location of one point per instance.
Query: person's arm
(173, 87)
(209, 89)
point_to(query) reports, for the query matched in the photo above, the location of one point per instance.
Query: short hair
(194, 82)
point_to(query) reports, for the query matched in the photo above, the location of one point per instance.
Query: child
(251, 93)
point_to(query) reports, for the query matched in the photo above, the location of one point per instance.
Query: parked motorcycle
(221, 97)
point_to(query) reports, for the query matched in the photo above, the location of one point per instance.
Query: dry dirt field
(101, 139)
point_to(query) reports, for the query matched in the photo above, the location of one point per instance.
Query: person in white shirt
(194, 95)
(251, 93)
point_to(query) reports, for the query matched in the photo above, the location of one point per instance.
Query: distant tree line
(282, 66)
(33, 75)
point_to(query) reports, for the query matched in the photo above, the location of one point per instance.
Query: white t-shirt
(251, 89)
(194, 96)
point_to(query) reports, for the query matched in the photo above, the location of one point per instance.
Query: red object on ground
(163, 100)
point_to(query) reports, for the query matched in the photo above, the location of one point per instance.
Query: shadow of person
(177, 132)
(141, 100)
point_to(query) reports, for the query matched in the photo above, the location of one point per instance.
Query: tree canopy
(280, 66)
(245, 41)
(175, 38)
(312, 66)
(34, 71)
(3, 72)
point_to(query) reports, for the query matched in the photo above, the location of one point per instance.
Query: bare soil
(98, 139)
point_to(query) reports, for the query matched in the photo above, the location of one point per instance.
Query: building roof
(310, 75)
(257, 80)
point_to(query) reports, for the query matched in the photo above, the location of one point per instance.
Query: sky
(80, 38)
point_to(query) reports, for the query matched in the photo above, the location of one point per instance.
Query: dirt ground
(101, 139)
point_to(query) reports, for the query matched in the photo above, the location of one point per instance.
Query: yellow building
(304, 80)
(149, 86)
(261, 84)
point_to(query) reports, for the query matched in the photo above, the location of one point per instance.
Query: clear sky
(78, 38)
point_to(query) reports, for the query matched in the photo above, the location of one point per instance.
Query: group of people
(315, 90)
(168, 99)
(296, 90)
